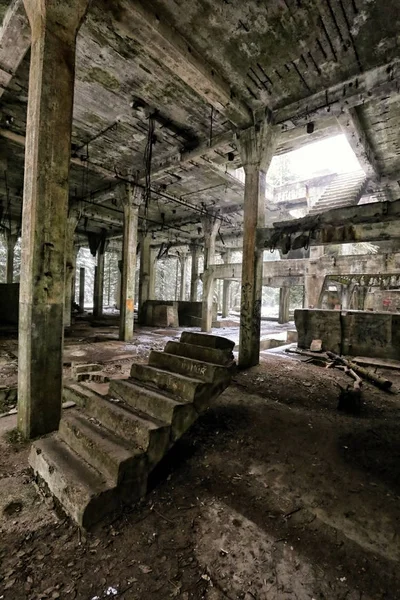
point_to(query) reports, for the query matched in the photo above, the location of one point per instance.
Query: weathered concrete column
(70, 260)
(54, 26)
(210, 227)
(146, 273)
(98, 291)
(11, 240)
(284, 301)
(183, 259)
(76, 252)
(194, 279)
(316, 252)
(118, 289)
(346, 296)
(82, 289)
(152, 279)
(313, 285)
(256, 145)
(226, 287)
(130, 197)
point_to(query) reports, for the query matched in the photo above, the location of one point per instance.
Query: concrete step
(102, 449)
(180, 386)
(85, 368)
(211, 355)
(209, 341)
(339, 198)
(150, 435)
(178, 414)
(345, 183)
(190, 367)
(82, 491)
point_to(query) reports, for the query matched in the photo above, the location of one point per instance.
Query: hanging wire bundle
(147, 168)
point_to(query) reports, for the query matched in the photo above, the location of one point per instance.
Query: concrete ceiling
(203, 67)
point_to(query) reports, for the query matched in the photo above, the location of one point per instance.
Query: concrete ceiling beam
(379, 221)
(15, 40)
(375, 84)
(166, 45)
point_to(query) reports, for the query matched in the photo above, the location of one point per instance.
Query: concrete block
(78, 368)
(209, 341)
(165, 316)
(368, 334)
(319, 324)
(316, 346)
(211, 355)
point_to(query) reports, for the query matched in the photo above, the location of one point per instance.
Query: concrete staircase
(108, 444)
(344, 190)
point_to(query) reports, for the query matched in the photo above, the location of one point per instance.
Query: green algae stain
(104, 78)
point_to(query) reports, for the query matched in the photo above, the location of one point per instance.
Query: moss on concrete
(103, 77)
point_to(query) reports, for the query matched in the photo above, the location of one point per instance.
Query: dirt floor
(273, 494)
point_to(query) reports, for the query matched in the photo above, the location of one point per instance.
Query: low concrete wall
(315, 324)
(351, 332)
(169, 313)
(9, 303)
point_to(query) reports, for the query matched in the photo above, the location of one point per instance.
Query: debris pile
(350, 398)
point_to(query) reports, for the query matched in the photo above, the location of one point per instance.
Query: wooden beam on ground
(378, 83)
(374, 222)
(167, 46)
(15, 40)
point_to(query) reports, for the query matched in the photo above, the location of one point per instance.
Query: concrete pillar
(147, 273)
(130, 200)
(118, 289)
(210, 225)
(54, 26)
(152, 279)
(11, 239)
(183, 258)
(82, 289)
(226, 287)
(316, 252)
(195, 251)
(346, 296)
(70, 261)
(98, 291)
(284, 301)
(256, 145)
(313, 285)
(76, 252)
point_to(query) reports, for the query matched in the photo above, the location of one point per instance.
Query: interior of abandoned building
(166, 429)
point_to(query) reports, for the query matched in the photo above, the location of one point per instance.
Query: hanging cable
(147, 167)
